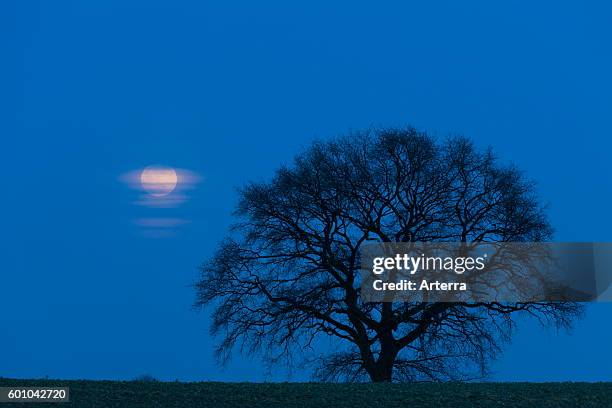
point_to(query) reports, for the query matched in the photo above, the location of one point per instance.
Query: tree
(288, 274)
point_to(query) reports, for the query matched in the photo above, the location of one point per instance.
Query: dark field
(92, 394)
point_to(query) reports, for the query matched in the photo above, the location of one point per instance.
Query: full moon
(158, 181)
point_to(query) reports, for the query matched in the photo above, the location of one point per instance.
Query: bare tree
(288, 275)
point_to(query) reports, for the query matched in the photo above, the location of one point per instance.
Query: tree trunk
(382, 369)
(382, 373)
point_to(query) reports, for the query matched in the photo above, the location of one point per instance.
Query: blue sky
(231, 90)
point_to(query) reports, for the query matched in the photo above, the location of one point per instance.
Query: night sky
(229, 91)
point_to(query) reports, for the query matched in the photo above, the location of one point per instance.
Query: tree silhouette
(288, 275)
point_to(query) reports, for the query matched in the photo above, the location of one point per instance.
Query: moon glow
(158, 181)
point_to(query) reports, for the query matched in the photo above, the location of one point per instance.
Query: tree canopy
(287, 276)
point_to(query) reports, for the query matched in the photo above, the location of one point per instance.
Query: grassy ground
(92, 394)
